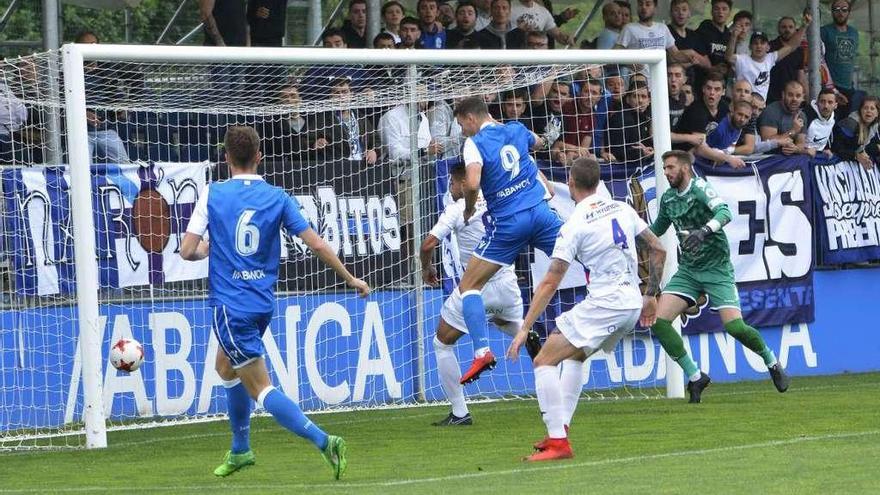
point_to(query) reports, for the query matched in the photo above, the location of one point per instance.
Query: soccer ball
(127, 355)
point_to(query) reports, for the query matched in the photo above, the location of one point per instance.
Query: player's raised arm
(325, 253)
(543, 293)
(649, 243)
(721, 216)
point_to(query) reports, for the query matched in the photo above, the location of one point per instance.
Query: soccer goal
(110, 146)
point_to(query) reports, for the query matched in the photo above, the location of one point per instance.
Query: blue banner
(847, 212)
(771, 241)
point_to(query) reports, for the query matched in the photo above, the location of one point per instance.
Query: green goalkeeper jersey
(689, 211)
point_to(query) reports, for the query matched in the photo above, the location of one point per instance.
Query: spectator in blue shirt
(433, 35)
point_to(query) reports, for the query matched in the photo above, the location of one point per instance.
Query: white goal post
(75, 57)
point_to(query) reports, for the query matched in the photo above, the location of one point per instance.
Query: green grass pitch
(822, 436)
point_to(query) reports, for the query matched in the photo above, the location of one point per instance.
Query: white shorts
(502, 299)
(591, 327)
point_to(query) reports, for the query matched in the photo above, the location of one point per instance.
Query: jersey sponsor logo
(507, 191)
(248, 275)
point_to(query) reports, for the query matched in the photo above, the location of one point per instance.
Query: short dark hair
(85, 33)
(743, 14)
(714, 76)
(465, 3)
(241, 143)
(673, 3)
(741, 103)
(492, 4)
(792, 83)
(383, 36)
(636, 85)
(585, 174)
(472, 105)
(352, 3)
(623, 3)
(728, 2)
(332, 31)
(411, 20)
(420, 2)
(519, 93)
(458, 170)
(682, 157)
(826, 91)
(389, 4)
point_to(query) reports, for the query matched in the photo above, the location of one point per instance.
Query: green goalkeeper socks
(751, 339)
(674, 346)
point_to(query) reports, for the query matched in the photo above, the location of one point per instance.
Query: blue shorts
(506, 237)
(240, 334)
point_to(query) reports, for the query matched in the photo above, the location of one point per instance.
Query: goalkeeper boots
(334, 454)
(695, 389)
(479, 365)
(546, 441)
(556, 449)
(453, 420)
(533, 344)
(234, 462)
(780, 377)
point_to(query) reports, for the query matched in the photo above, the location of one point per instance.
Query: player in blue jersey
(244, 216)
(498, 163)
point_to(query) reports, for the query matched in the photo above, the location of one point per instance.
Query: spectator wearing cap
(820, 122)
(785, 119)
(392, 13)
(755, 67)
(841, 48)
(343, 133)
(465, 24)
(354, 29)
(225, 22)
(433, 35)
(790, 68)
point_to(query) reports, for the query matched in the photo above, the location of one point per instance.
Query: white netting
(336, 137)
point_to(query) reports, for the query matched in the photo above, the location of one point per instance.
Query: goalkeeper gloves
(695, 239)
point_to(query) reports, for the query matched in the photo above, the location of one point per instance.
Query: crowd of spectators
(733, 91)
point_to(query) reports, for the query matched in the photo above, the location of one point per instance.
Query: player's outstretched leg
(571, 383)
(450, 376)
(750, 338)
(673, 344)
(239, 409)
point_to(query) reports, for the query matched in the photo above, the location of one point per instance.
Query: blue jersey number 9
(510, 160)
(247, 235)
(618, 235)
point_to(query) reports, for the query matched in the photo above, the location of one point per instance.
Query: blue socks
(238, 405)
(290, 416)
(475, 318)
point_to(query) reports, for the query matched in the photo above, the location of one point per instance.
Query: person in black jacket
(343, 133)
(857, 137)
(629, 131)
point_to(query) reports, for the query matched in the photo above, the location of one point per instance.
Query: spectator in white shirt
(529, 15)
(755, 67)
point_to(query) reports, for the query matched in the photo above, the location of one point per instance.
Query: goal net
(102, 164)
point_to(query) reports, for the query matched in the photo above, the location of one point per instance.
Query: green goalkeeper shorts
(717, 282)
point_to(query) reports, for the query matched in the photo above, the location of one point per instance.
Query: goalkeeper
(704, 267)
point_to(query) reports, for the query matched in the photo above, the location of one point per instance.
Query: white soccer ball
(127, 355)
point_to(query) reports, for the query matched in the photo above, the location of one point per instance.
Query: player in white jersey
(601, 234)
(501, 295)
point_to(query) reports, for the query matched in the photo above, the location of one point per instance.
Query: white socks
(571, 383)
(550, 400)
(450, 375)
